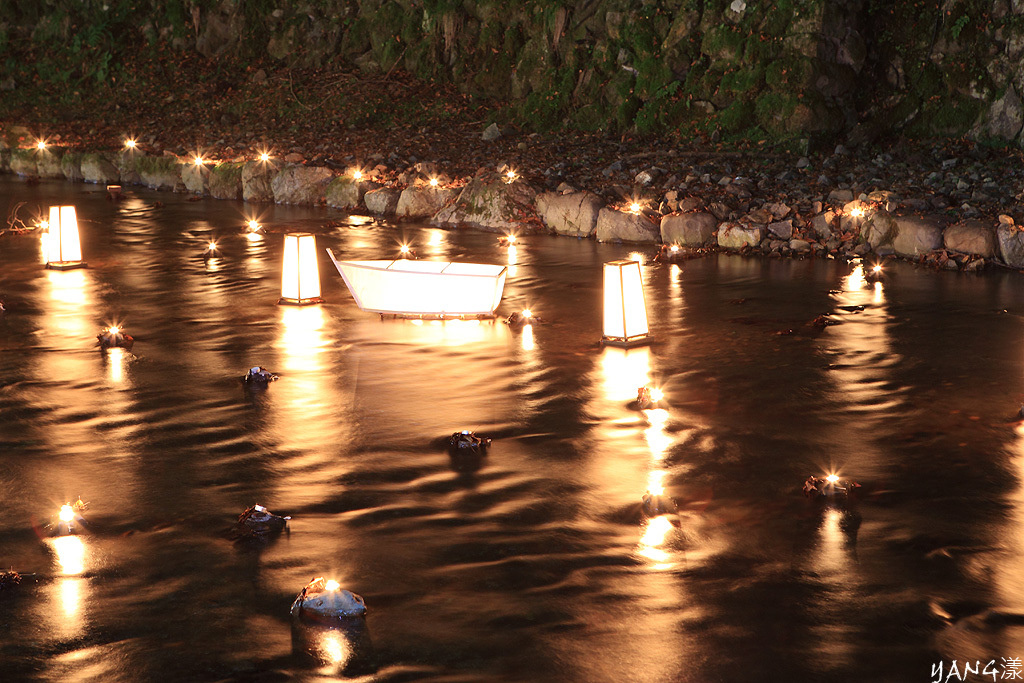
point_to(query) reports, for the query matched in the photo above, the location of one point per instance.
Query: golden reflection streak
(527, 338)
(625, 370)
(654, 536)
(335, 648)
(71, 596)
(70, 553)
(855, 281)
(115, 364)
(830, 553)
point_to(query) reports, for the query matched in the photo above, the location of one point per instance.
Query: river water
(536, 562)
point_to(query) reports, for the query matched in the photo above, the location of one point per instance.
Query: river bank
(952, 204)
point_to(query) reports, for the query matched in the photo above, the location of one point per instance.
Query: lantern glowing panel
(61, 244)
(625, 310)
(300, 276)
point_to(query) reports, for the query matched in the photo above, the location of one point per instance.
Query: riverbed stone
(5, 159)
(1011, 244)
(225, 180)
(48, 162)
(781, 229)
(422, 201)
(196, 178)
(71, 166)
(23, 162)
(737, 236)
(695, 229)
(917, 235)
(624, 226)
(573, 214)
(382, 201)
(296, 184)
(971, 237)
(127, 163)
(821, 224)
(345, 192)
(256, 181)
(161, 173)
(800, 246)
(488, 202)
(97, 169)
(878, 228)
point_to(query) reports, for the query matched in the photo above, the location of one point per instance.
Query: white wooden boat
(409, 287)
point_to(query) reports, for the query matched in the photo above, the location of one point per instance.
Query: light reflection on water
(536, 561)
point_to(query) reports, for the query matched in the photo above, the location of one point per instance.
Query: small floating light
(527, 313)
(67, 513)
(433, 182)
(41, 145)
(832, 478)
(130, 143)
(332, 585)
(674, 248)
(510, 176)
(198, 160)
(625, 309)
(264, 157)
(253, 225)
(657, 394)
(212, 246)
(877, 269)
(62, 245)
(405, 250)
(857, 212)
(357, 174)
(300, 275)
(511, 239)
(634, 207)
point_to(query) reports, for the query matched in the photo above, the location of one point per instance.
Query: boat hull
(407, 287)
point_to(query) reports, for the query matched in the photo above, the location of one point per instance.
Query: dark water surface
(536, 562)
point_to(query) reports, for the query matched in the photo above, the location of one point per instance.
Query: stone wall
(786, 68)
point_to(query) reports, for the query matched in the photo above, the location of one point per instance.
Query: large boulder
(971, 237)
(573, 214)
(1011, 244)
(225, 181)
(689, 229)
(196, 178)
(160, 173)
(256, 181)
(48, 163)
(916, 236)
(296, 184)
(382, 201)
(488, 202)
(737, 236)
(71, 166)
(23, 162)
(621, 226)
(345, 192)
(878, 228)
(97, 169)
(422, 201)
(127, 163)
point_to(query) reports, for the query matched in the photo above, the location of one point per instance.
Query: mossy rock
(96, 168)
(24, 162)
(71, 166)
(48, 162)
(226, 180)
(160, 173)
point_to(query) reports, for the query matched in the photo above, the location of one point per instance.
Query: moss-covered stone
(71, 166)
(225, 180)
